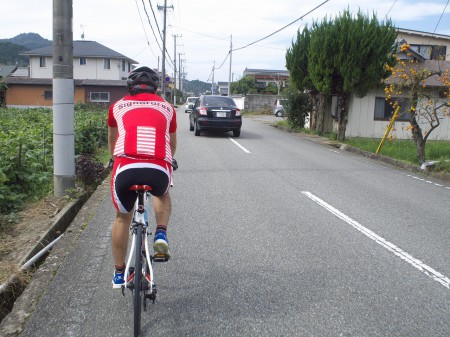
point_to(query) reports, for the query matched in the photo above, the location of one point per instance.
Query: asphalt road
(272, 235)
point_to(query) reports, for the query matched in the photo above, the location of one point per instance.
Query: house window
(438, 52)
(129, 67)
(430, 52)
(107, 64)
(42, 62)
(99, 97)
(48, 95)
(384, 110)
(123, 65)
(83, 61)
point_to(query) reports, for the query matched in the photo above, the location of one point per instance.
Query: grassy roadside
(404, 150)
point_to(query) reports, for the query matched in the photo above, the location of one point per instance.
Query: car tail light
(238, 112)
(203, 111)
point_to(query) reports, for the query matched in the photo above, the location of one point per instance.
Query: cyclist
(142, 141)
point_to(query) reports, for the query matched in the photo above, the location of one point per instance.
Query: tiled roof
(81, 49)
(48, 81)
(431, 65)
(7, 70)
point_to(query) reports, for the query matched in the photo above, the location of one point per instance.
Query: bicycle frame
(137, 223)
(136, 279)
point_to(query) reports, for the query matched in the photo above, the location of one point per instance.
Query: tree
(246, 85)
(297, 64)
(428, 105)
(348, 56)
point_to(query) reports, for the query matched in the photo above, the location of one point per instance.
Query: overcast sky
(204, 28)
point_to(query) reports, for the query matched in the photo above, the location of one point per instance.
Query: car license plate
(221, 114)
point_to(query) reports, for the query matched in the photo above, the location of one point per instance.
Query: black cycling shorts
(128, 172)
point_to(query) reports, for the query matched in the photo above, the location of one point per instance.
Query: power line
(279, 30)
(154, 16)
(392, 6)
(142, 22)
(149, 22)
(442, 14)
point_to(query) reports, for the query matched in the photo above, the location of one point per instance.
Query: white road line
(334, 151)
(427, 181)
(239, 145)
(435, 275)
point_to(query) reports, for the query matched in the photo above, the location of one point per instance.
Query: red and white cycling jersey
(143, 122)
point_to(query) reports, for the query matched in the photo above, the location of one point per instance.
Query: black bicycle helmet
(142, 79)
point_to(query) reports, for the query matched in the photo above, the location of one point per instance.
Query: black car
(215, 113)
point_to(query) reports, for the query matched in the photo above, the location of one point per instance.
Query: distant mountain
(197, 87)
(11, 48)
(28, 40)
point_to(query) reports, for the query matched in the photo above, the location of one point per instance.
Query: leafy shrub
(297, 107)
(89, 170)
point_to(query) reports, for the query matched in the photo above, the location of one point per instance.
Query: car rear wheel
(196, 129)
(236, 133)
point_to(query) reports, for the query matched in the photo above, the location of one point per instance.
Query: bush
(89, 170)
(297, 107)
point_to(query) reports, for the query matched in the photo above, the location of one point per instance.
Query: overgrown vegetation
(26, 159)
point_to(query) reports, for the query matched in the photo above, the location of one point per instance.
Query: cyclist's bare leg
(163, 207)
(120, 233)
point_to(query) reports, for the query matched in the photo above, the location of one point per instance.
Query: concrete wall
(255, 102)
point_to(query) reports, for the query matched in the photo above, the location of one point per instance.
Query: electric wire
(279, 30)
(390, 9)
(151, 26)
(440, 18)
(154, 16)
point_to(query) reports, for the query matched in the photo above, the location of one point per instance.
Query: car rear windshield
(191, 99)
(220, 101)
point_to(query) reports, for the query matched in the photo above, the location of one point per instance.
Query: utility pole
(63, 99)
(163, 80)
(180, 72)
(212, 85)
(175, 68)
(229, 73)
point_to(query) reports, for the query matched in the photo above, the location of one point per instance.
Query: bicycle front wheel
(137, 299)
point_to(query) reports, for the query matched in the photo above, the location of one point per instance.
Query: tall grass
(403, 149)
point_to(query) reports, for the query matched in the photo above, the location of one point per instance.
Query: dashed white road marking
(334, 151)
(239, 145)
(427, 270)
(427, 181)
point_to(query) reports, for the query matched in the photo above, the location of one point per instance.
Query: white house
(369, 116)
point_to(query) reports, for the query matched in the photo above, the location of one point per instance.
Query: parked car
(189, 104)
(216, 113)
(278, 107)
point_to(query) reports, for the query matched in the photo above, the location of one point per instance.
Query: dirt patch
(21, 237)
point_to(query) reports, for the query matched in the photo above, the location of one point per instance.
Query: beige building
(99, 75)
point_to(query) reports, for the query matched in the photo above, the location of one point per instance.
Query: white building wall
(93, 69)
(361, 121)
(36, 71)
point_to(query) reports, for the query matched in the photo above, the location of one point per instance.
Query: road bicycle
(139, 276)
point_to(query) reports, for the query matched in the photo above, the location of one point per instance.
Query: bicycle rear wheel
(137, 292)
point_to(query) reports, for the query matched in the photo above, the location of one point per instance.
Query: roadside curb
(74, 218)
(370, 155)
(13, 287)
